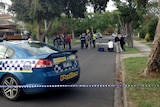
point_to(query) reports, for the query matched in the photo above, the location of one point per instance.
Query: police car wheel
(11, 93)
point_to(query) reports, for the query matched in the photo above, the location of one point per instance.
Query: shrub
(152, 27)
(142, 32)
(147, 37)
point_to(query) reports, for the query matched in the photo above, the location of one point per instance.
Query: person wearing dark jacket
(117, 44)
(122, 42)
(83, 40)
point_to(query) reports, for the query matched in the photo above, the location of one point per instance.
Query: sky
(110, 6)
(6, 1)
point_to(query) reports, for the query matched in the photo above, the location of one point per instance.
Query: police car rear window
(38, 48)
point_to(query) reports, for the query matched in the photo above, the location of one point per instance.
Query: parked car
(114, 34)
(99, 35)
(32, 63)
(2, 38)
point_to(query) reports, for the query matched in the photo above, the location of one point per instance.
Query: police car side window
(3, 51)
(9, 53)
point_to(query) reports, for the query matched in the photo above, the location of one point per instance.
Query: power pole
(45, 25)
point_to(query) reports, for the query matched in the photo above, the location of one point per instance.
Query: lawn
(130, 50)
(146, 91)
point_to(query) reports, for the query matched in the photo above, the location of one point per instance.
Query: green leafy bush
(152, 27)
(147, 37)
(142, 32)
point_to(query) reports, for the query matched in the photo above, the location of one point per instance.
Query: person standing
(122, 42)
(65, 41)
(58, 41)
(69, 38)
(54, 40)
(83, 40)
(117, 44)
(94, 40)
(89, 40)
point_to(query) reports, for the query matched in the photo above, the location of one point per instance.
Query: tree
(105, 20)
(39, 10)
(153, 64)
(75, 8)
(128, 16)
(2, 7)
(131, 13)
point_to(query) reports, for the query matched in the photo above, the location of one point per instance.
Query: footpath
(120, 98)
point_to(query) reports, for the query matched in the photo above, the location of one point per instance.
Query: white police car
(27, 66)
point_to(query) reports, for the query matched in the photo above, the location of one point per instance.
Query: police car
(31, 66)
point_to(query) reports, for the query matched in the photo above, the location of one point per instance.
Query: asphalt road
(97, 68)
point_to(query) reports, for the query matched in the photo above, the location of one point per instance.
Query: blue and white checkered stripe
(17, 65)
(59, 67)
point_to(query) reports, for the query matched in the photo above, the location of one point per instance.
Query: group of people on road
(62, 41)
(88, 40)
(119, 44)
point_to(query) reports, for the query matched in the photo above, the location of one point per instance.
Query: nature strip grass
(140, 96)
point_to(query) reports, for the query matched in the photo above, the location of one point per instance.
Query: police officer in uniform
(94, 40)
(83, 40)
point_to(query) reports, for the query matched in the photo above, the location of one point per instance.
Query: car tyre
(11, 93)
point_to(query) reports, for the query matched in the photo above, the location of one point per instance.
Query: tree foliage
(40, 10)
(149, 26)
(2, 5)
(131, 13)
(75, 8)
(36, 10)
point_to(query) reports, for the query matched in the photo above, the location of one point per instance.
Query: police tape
(77, 86)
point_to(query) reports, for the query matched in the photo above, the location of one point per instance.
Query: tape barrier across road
(78, 86)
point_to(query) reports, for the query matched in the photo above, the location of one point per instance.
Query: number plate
(67, 64)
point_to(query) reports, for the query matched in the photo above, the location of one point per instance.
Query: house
(7, 23)
(8, 29)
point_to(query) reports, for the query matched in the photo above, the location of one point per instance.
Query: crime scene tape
(78, 86)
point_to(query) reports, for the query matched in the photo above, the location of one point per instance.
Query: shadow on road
(54, 95)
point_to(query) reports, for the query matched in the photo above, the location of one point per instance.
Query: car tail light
(42, 63)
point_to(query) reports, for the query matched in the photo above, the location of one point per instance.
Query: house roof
(5, 16)
(6, 24)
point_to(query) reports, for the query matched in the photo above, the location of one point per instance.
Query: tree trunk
(127, 28)
(38, 31)
(153, 64)
(73, 36)
(130, 41)
(129, 31)
(40, 35)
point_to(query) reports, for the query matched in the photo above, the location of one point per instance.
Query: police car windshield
(35, 49)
